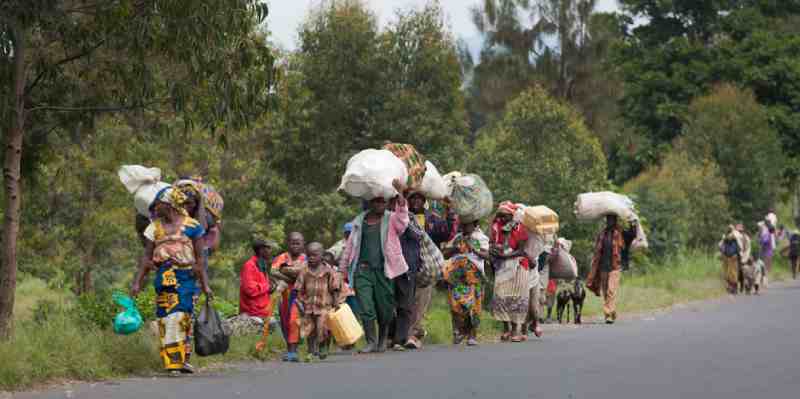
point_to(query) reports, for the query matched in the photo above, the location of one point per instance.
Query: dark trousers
(404, 288)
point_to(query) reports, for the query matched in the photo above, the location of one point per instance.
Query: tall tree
(684, 48)
(68, 60)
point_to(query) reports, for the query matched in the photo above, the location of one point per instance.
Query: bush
(96, 309)
(683, 202)
(541, 153)
(730, 127)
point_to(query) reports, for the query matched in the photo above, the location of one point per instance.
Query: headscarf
(194, 190)
(172, 196)
(507, 207)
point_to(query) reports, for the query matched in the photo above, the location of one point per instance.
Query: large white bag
(144, 183)
(562, 264)
(433, 185)
(370, 174)
(590, 206)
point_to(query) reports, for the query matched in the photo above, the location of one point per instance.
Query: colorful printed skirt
(511, 294)
(465, 293)
(175, 288)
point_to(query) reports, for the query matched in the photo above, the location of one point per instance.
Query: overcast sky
(286, 15)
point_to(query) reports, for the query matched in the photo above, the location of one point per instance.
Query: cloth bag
(129, 320)
(344, 326)
(370, 173)
(562, 264)
(210, 337)
(472, 200)
(414, 161)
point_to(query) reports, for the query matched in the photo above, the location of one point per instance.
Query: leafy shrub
(683, 202)
(45, 309)
(541, 153)
(95, 309)
(734, 130)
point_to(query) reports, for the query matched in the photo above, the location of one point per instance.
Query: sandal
(519, 338)
(505, 337)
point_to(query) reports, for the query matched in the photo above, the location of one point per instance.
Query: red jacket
(254, 290)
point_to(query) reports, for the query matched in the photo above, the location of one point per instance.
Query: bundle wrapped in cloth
(414, 162)
(212, 200)
(144, 183)
(471, 199)
(370, 174)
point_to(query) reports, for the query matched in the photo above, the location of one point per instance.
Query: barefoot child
(463, 273)
(319, 290)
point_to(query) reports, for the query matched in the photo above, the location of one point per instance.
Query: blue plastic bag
(129, 320)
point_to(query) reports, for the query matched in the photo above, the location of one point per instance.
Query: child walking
(463, 273)
(319, 291)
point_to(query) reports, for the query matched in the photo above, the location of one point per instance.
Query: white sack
(433, 184)
(590, 206)
(144, 183)
(370, 173)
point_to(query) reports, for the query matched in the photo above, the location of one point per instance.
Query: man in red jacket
(254, 290)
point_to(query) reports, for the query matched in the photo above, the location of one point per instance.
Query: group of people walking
(742, 269)
(385, 268)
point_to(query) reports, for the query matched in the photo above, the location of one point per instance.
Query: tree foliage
(62, 63)
(731, 128)
(684, 202)
(685, 48)
(541, 153)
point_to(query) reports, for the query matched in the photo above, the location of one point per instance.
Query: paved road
(743, 348)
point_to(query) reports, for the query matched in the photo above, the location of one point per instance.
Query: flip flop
(519, 338)
(505, 337)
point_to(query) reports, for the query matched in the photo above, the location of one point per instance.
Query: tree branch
(62, 62)
(115, 108)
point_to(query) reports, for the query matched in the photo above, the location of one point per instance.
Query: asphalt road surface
(747, 347)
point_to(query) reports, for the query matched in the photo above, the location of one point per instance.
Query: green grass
(59, 348)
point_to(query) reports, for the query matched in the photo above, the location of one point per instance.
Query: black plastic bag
(209, 337)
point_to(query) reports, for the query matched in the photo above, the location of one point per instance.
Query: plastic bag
(129, 320)
(209, 334)
(414, 161)
(370, 174)
(590, 206)
(472, 200)
(433, 185)
(144, 183)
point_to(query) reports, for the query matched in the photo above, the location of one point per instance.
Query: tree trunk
(13, 191)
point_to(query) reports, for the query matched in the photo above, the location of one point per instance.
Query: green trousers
(375, 293)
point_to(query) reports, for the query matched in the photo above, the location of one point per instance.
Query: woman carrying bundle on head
(174, 249)
(511, 268)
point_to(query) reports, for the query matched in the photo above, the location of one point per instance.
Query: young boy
(319, 290)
